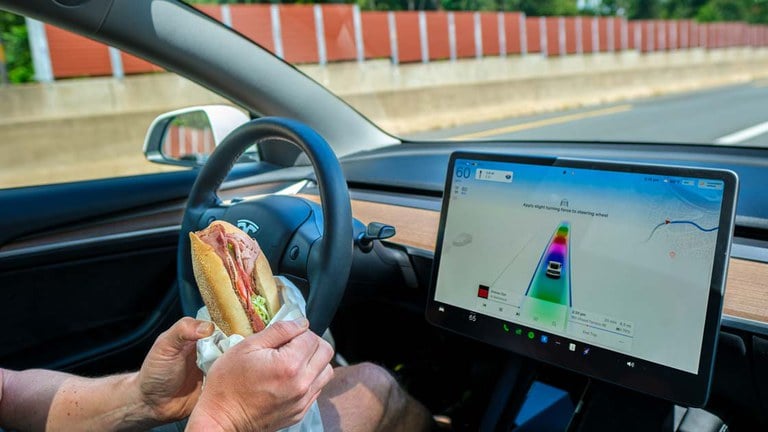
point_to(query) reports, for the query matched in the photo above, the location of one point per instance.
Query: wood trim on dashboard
(746, 292)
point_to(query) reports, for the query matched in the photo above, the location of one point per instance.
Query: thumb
(184, 331)
(280, 333)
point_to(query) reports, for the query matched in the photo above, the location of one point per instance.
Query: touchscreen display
(616, 260)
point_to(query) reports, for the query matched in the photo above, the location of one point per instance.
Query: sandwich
(234, 279)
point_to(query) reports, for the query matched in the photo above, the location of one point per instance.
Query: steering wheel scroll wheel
(279, 220)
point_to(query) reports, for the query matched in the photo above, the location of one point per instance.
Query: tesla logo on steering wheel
(248, 226)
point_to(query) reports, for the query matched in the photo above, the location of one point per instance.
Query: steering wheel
(287, 228)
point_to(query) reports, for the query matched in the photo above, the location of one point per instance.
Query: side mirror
(186, 137)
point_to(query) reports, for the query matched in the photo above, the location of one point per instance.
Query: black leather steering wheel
(328, 256)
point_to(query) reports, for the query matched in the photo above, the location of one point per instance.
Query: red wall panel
(662, 35)
(693, 34)
(570, 35)
(587, 24)
(408, 43)
(631, 29)
(682, 34)
(135, 65)
(553, 35)
(180, 141)
(375, 34)
(297, 23)
(213, 10)
(465, 34)
(73, 55)
(649, 36)
(489, 23)
(339, 32)
(254, 21)
(512, 30)
(437, 35)
(533, 34)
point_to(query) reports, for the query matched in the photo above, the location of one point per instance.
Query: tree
(547, 7)
(13, 33)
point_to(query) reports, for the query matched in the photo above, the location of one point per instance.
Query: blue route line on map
(687, 222)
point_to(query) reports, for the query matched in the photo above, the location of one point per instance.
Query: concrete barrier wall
(87, 128)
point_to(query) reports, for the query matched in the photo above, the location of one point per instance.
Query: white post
(207, 143)
(357, 23)
(543, 36)
(38, 48)
(523, 35)
(452, 36)
(662, 36)
(277, 31)
(579, 36)
(226, 15)
(393, 37)
(182, 131)
(502, 35)
(595, 35)
(651, 37)
(478, 36)
(116, 60)
(611, 34)
(624, 34)
(423, 37)
(320, 35)
(673, 35)
(194, 144)
(639, 37)
(561, 35)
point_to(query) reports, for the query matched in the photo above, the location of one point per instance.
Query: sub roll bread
(234, 279)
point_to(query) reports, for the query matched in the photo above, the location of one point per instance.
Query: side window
(75, 109)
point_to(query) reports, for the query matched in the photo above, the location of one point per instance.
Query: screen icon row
(544, 338)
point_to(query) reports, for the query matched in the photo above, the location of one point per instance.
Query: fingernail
(302, 322)
(205, 328)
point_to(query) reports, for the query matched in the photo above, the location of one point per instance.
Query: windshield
(666, 71)
(657, 71)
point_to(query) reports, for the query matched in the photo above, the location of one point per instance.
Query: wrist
(139, 414)
(202, 420)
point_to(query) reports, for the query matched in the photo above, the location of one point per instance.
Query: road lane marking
(744, 134)
(544, 122)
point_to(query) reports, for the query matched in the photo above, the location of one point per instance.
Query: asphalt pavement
(732, 115)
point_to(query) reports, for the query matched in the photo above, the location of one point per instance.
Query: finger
(320, 358)
(322, 379)
(307, 403)
(314, 391)
(280, 333)
(184, 331)
(301, 348)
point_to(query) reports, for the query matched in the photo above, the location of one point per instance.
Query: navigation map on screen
(617, 260)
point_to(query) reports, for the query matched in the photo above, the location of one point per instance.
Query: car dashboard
(382, 316)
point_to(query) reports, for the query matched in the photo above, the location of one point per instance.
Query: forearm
(47, 400)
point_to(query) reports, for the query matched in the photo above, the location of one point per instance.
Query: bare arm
(46, 400)
(165, 389)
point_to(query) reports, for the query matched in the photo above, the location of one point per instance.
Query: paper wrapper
(212, 347)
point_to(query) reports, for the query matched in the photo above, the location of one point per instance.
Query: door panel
(87, 284)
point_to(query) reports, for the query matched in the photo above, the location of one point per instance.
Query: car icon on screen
(554, 268)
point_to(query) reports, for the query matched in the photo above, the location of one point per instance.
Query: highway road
(732, 115)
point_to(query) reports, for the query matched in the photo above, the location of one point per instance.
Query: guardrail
(336, 32)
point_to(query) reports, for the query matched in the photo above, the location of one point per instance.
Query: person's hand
(169, 380)
(266, 382)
